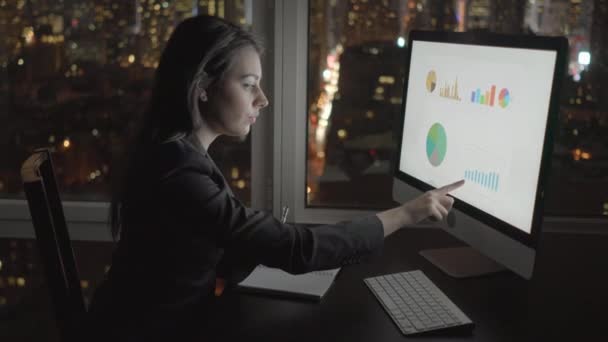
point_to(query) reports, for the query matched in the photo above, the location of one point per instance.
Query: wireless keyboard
(416, 305)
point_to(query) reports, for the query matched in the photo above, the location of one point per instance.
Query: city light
(578, 154)
(386, 79)
(342, 134)
(28, 35)
(66, 143)
(20, 281)
(52, 39)
(20, 61)
(395, 100)
(325, 98)
(241, 184)
(400, 42)
(584, 58)
(131, 59)
(326, 75)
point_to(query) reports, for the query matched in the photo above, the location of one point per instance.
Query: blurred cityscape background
(76, 75)
(356, 53)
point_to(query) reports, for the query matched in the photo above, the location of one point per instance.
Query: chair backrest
(53, 243)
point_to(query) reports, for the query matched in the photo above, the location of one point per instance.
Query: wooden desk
(566, 299)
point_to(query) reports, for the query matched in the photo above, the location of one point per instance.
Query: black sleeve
(208, 209)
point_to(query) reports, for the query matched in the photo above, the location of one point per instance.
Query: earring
(203, 96)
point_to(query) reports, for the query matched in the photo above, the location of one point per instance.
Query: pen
(284, 212)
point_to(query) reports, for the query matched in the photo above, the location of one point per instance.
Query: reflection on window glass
(77, 75)
(355, 75)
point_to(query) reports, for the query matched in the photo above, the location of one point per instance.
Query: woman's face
(234, 102)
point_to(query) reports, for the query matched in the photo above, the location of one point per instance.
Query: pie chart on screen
(436, 144)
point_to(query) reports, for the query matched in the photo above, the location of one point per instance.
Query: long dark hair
(197, 55)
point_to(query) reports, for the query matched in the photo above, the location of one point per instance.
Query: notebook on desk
(273, 281)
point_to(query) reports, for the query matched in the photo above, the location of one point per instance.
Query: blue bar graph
(488, 180)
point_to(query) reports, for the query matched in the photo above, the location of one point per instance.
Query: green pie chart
(436, 144)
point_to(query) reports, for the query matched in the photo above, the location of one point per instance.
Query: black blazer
(183, 227)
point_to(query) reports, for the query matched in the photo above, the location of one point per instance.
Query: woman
(179, 224)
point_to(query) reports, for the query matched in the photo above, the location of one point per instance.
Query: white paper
(273, 280)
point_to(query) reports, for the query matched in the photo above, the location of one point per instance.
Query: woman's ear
(202, 83)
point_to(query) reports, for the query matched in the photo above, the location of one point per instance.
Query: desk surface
(567, 297)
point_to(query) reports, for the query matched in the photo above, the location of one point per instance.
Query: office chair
(54, 243)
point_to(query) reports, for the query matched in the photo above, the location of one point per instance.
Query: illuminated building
(371, 21)
(508, 16)
(479, 14)
(599, 52)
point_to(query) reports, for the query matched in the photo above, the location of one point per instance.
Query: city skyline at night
(357, 142)
(77, 75)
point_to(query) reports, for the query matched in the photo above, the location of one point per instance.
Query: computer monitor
(481, 107)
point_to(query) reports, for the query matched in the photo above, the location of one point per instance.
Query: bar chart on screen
(485, 169)
(489, 180)
(491, 96)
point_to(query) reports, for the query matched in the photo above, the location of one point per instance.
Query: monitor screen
(478, 113)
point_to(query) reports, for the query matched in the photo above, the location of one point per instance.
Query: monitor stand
(461, 262)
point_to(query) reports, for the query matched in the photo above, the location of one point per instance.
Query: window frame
(290, 127)
(291, 122)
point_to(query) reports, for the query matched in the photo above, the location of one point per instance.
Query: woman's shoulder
(170, 157)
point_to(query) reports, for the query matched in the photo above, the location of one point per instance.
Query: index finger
(444, 190)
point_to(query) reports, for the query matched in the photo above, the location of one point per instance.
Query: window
(354, 89)
(76, 76)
